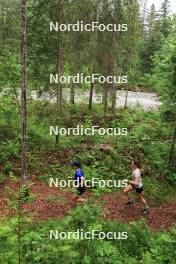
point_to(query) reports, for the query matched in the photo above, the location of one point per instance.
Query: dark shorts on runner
(138, 190)
(81, 190)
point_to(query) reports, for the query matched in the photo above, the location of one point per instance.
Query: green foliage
(9, 149)
(164, 74)
(162, 249)
(141, 246)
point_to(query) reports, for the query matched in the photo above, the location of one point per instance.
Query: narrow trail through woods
(51, 203)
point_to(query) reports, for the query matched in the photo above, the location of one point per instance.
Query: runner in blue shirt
(79, 180)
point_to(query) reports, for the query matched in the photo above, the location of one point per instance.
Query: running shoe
(145, 210)
(130, 202)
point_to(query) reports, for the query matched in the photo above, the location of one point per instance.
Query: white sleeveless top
(137, 174)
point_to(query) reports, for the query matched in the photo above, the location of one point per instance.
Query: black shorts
(138, 190)
(81, 190)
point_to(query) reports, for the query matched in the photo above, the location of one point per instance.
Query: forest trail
(50, 203)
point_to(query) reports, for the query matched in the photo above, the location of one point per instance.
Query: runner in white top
(137, 178)
(136, 184)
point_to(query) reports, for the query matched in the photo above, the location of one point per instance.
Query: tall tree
(144, 16)
(152, 41)
(164, 79)
(117, 50)
(105, 50)
(94, 47)
(164, 17)
(24, 89)
(76, 44)
(59, 52)
(171, 158)
(131, 60)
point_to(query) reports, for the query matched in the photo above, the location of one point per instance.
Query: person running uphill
(136, 184)
(79, 180)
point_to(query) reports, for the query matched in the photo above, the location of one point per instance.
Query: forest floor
(52, 203)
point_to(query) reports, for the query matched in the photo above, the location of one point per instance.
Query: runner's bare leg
(126, 191)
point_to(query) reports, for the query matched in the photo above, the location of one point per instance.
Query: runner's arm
(136, 182)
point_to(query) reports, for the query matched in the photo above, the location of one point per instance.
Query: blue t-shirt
(78, 175)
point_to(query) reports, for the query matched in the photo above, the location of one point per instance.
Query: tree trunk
(59, 54)
(105, 98)
(126, 98)
(24, 176)
(3, 19)
(91, 95)
(171, 151)
(72, 95)
(114, 70)
(114, 91)
(57, 140)
(94, 42)
(24, 89)
(105, 85)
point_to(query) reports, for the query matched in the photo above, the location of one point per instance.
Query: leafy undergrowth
(52, 203)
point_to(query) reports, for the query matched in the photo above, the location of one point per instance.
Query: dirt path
(54, 203)
(160, 216)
